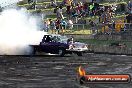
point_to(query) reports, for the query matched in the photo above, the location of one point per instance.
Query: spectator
(48, 23)
(96, 8)
(53, 3)
(113, 24)
(63, 25)
(129, 18)
(91, 8)
(45, 26)
(130, 7)
(79, 8)
(74, 15)
(92, 24)
(52, 26)
(129, 21)
(68, 4)
(59, 12)
(108, 15)
(64, 2)
(103, 18)
(118, 26)
(70, 24)
(57, 24)
(85, 6)
(56, 10)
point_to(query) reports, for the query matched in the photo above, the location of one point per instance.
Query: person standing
(52, 26)
(70, 24)
(68, 4)
(53, 3)
(57, 24)
(45, 28)
(60, 12)
(129, 7)
(63, 25)
(92, 24)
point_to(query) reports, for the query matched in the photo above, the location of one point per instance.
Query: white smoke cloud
(4, 3)
(17, 31)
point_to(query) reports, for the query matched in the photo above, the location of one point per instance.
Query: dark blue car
(57, 44)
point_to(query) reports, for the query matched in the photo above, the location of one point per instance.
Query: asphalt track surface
(60, 72)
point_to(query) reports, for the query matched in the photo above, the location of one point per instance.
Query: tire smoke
(18, 29)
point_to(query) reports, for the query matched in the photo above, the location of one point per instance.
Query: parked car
(61, 45)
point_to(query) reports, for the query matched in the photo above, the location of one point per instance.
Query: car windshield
(59, 38)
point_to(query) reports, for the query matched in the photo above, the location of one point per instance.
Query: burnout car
(61, 45)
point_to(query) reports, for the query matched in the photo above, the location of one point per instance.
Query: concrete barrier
(111, 50)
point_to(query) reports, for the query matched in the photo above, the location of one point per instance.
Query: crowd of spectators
(77, 9)
(57, 26)
(73, 10)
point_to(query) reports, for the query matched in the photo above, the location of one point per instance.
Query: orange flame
(81, 71)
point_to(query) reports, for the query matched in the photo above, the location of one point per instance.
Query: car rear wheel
(61, 52)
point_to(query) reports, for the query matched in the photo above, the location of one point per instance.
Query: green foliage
(21, 3)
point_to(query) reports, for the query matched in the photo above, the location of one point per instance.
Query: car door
(46, 44)
(59, 44)
(54, 45)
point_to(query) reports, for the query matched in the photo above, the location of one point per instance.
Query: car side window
(47, 39)
(55, 39)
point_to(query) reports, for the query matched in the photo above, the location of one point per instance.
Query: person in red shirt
(57, 24)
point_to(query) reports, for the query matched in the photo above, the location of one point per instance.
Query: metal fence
(98, 28)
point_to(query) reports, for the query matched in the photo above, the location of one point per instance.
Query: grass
(40, 3)
(76, 31)
(42, 10)
(50, 16)
(109, 3)
(104, 42)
